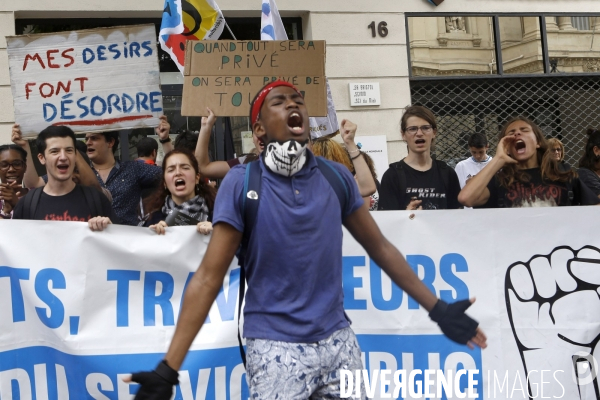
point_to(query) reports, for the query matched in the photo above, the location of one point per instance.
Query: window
(451, 46)
(443, 45)
(573, 44)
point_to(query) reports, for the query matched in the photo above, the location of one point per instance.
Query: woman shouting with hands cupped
(524, 174)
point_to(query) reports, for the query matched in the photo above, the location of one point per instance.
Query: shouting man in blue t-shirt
(297, 335)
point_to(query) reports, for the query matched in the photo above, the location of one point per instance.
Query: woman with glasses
(589, 165)
(13, 163)
(418, 181)
(524, 174)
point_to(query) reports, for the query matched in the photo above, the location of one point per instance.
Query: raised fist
(553, 305)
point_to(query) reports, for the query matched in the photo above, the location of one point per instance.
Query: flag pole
(229, 29)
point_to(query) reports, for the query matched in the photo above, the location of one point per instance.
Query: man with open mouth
(297, 335)
(125, 180)
(61, 199)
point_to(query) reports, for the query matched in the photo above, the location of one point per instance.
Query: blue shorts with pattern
(298, 371)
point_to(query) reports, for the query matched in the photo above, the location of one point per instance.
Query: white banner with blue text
(81, 309)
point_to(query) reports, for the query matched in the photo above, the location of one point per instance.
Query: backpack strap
(31, 201)
(250, 201)
(336, 181)
(92, 198)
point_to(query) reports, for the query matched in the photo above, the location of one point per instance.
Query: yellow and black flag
(188, 20)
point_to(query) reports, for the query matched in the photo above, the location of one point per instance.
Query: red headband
(262, 95)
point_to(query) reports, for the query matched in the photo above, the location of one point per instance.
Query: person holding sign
(218, 169)
(292, 259)
(124, 180)
(183, 198)
(83, 172)
(61, 199)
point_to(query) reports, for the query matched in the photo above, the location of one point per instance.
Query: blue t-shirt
(294, 258)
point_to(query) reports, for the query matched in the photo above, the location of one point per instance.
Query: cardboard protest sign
(225, 75)
(91, 80)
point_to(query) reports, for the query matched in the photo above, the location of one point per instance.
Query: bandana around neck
(195, 208)
(285, 158)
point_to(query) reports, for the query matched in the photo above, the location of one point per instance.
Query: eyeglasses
(17, 165)
(556, 151)
(414, 129)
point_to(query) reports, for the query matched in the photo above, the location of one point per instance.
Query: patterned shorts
(298, 371)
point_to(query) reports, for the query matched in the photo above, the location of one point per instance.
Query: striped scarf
(195, 208)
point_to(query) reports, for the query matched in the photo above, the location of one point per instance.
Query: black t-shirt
(538, 193)
(69, 207)
(428, 186)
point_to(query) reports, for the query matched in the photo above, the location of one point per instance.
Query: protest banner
(86, 308)
(225, 75)
(90, 80)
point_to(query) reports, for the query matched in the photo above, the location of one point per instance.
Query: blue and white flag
(271, 26)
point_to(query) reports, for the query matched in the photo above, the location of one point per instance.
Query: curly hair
(332, 150)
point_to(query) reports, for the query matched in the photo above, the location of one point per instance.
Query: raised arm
(451, 318)
(87, 177)
(162, 130)
(476, 193)
(30, 179)
(208, 169)
(364, 179)
(199, 296)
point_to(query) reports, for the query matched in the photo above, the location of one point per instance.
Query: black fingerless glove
(157, 384)
(453, 321)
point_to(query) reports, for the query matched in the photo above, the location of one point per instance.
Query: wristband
(163, 141)
(167, 373)
(353, 151)
(356, 156)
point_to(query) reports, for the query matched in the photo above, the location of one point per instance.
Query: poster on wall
(225, 75)
(90, 80)
(376, 148)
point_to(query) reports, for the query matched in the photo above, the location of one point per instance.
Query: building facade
(442, 57)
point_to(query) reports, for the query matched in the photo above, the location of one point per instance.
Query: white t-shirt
(468, 168)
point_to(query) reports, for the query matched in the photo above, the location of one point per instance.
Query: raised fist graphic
(553, 305)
